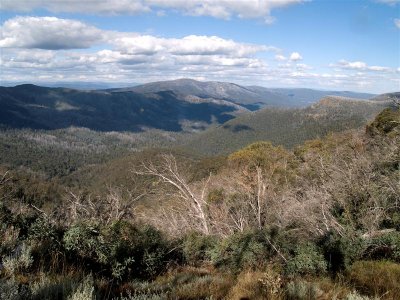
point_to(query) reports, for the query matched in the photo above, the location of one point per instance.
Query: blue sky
(322, 44)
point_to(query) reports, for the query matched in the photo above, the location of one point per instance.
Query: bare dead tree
(110, 208)
(194, 198)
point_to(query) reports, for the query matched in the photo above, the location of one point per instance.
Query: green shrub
(41, 230)
(46, 242)
(376, 278)
(86, 241)
(306, 260)
(242, 250)
(341, 251)
(386, 246)
(120, 249)
(155, 249)
(197, 248)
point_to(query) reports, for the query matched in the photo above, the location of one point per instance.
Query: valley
(130, 190)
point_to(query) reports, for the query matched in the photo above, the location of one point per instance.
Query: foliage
(242, 250)
(384, 246)
(307, 260)
(197, 247)
(121, 248)
(342, 251)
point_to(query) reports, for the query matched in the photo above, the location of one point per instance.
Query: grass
(376, 278)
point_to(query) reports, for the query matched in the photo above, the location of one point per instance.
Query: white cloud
(189, 45)
(397, 23)
(53, 33)
(36, 65)
(303, 67)
(126, 57)
(360, 65)
(295, 56)
(47, 33)
(33, 44)
(353, 65)
(223, 9)
(108, 7)
(280, 57)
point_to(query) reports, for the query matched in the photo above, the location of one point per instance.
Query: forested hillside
(153, 194)
(29, 106)
(287, 127)
(58, 131)
(320, 221)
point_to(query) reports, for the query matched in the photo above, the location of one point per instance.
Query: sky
(321, 44)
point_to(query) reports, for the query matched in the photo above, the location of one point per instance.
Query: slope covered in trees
(30, 106)
(59, 152)
(287, 127)
(320, 221)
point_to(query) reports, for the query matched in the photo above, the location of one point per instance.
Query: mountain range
(251, 97)
(57, 131)
(179, 106)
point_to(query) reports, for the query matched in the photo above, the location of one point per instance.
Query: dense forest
(317, 219)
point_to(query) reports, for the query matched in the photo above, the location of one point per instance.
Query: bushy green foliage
(385, 246)
(307, 260)
(242, 250)
(197, 247)
(121, 248)
(86, 241)
(45, 237)
(341, 251)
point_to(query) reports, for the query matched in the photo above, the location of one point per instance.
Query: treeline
(58, 153)
(321, 221)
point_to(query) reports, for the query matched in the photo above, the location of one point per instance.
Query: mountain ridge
(252, 97)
